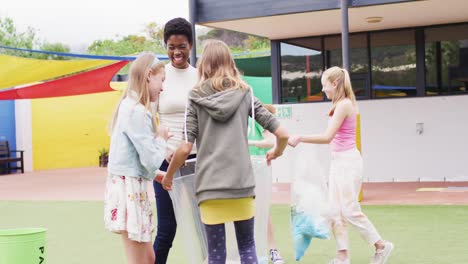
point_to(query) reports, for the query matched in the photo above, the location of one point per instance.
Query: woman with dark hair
(181, 77)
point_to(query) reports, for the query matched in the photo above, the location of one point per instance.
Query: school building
(408, 62)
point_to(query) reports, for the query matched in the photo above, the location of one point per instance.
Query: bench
(6, 158)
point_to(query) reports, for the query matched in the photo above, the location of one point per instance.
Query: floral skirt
(127, 207)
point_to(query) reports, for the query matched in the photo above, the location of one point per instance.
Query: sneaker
(337, 261)
(275, 257)
(382, 255)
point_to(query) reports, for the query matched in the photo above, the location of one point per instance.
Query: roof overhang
(325, 22)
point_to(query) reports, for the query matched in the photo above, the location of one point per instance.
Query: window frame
(420, 42)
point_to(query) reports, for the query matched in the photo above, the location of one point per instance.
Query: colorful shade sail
(94, 81)
(15, 71)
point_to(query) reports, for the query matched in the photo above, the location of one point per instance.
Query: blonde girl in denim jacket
(137, 150)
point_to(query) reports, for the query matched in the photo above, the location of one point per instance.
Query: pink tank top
(345, 138)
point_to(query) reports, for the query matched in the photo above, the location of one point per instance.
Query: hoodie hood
(219, 105)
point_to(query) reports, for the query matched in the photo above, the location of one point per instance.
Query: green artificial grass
(421, 234)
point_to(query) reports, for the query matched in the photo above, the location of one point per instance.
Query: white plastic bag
(308, 197)
(189, 224)
(187, 214)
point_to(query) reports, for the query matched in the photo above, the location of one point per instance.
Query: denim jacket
(134, 149)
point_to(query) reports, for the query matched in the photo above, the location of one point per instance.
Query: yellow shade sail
(15, 71)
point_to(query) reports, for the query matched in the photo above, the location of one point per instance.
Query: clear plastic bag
(191, 228)
(187, 214)
(308, 197)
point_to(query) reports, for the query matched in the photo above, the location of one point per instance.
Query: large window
(393, 63)
(446, 60)
(359, 62)
(301, 69)
(383, 64)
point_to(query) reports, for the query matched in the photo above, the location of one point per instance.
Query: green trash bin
(23, 246)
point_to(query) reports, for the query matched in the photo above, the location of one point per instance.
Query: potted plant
(103, 157)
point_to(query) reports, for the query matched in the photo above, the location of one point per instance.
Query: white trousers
(344, 185)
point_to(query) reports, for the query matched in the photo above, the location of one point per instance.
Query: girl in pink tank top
(345, 179)
(345, 137)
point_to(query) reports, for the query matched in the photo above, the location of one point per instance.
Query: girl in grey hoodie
(216, 118)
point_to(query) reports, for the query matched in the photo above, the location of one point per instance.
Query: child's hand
(159, 176)
(163, 132)
(294, 141)
(167, 183)
(271, 155)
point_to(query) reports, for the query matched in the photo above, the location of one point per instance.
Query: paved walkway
(87, 184)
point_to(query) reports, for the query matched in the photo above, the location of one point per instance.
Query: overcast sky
(78, 23)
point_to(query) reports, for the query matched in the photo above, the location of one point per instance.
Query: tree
(156, 33)
(54, 47)
(10, 36)
(237, 41)
(126, 46)
(256, 43)
(131, 44)
(231, 38)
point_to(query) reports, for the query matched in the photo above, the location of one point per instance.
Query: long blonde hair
(217, 65)
(344, 88)
(146, 64)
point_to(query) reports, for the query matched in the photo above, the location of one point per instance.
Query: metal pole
(345, 34)
(276, 70)
(192, 16)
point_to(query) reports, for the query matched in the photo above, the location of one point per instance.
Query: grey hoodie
(218, 122)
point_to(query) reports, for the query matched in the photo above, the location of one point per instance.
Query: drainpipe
(345, 34)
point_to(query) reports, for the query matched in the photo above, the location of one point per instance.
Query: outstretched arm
(268, 141)
(343, 109)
